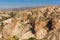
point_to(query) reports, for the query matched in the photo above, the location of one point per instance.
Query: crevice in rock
(32, 29)
(32, 23)
(49, 25)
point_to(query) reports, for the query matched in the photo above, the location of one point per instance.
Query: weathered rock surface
(41, 23)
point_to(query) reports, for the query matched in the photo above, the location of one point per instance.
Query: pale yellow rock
(27, 35)
(35, 18)
(41, 34)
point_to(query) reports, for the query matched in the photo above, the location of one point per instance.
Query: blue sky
(27, 3)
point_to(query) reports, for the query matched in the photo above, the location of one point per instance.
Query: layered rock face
(40, 23)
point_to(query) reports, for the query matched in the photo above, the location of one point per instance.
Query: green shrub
(4, 18)
(32, 38)
(12, 38)
(12, 14)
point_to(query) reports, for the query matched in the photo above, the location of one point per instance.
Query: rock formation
(41, 23)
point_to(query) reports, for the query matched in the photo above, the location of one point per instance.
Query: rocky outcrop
(41, 23)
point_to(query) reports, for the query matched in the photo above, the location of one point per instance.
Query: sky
(27, 3)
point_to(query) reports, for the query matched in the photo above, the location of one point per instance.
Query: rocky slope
(37, 23)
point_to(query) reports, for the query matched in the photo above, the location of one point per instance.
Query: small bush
(12, 14)
(4, 18)
(32, 38)
(12, 38)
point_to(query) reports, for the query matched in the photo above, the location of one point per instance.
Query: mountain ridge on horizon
(19, 8)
